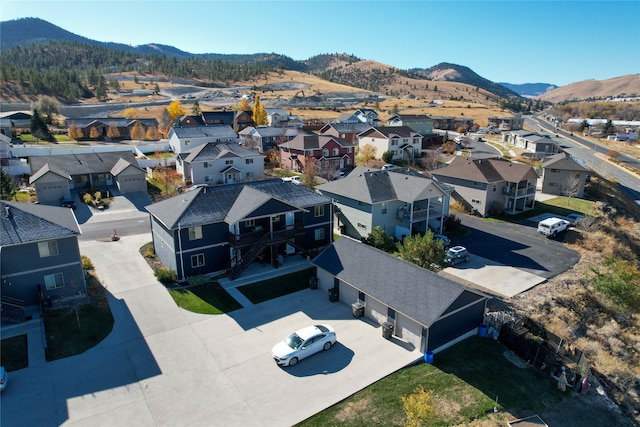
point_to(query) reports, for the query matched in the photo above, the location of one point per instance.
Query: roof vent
(7, 212)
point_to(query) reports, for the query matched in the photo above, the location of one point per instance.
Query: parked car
(550, 227)
(295, 179)
(456, 255)
(574, 218)
(3, 378)
(303, 343)
(68, 202)
(389, 167)
(445, 239)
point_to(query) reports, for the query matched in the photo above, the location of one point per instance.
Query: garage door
(375, 310)
(50, 193)
(131, 185)
(408, 330)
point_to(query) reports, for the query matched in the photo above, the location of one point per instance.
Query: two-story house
(451, 123)
(265, 138)
(220, 164)
(218, 118)
(562, 175)
(361, 115)
(539, 145)
(40, 254)
(490, 186)
(277, 117)
(347, 131)
(401, 141)
(242, 119)
(183, 138)
(225, 228)
(400, 203)
(420, 123)
(505, 123)
(331, 153)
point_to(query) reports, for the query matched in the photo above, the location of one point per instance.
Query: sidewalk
(34, 329)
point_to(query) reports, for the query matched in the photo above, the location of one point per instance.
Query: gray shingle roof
(310, 142)
(79, 164)
(486, 170)
(563, 162)
(414, 291)
(220, 203)
(30, 223)
(220, 131)
(391, 131)
(347, 127)
(123, 164)
(376, 186)
(44, 170)
(107, 121)
(212, 151)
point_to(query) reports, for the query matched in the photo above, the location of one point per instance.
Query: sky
(513, 41)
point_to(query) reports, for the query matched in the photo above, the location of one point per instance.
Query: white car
(389, 167)
(295, 179)
(303, 343)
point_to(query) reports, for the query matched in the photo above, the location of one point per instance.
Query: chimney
(7, 212)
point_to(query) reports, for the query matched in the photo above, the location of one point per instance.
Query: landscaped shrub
(452, 222)
(87, 264)
(165, 275)
(87, 198)
(200, 279)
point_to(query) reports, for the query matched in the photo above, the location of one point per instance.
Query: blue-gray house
(39, 252)
(227, 227)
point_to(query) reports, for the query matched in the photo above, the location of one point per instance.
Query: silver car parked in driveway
(303, 343)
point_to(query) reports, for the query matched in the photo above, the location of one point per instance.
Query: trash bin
(387, 330)
(428, 357)
(482, 330)
(313, 282)
(334, 295)
(358, 309)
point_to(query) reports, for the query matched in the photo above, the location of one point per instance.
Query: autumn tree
(244, 105)
(259, 113)
(130, 113)
(137, 132)
(175, 110)
(310, 172)
(365, 155)
(94, 133)
(152, 133)
(74, 132)
(112, 130)
(418, 407)
(164, 122)
(273, 156)
(423, 250)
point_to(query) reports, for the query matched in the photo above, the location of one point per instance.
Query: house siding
(51, 187)
(455, 325)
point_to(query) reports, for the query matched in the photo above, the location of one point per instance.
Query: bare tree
(571, 187)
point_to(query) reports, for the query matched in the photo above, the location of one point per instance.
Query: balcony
(278, 236)
(522, 192)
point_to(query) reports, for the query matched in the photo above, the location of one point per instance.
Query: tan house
(401, 141)
(505, 122)
(563, 176)
(489, 186)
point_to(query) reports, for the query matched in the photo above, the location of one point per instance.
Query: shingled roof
(81, 164)
(211, 151)
(31, 223)
(414, 291)
(486, 170)
(376, 186)
(207, 205)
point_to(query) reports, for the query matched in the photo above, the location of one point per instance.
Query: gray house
(491, 185)
(400, 203)
(420, 123)
(563, 175)
(539, 145)
(183, 138)
(220, 164)
(426, 310)
(40, 253)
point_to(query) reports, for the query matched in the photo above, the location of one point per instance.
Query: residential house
(6, 127)
(451, 123)
(242, 119)
(427, 311)
(220, 164)
(401, 204)
(401, 141)
(264, 138)
(347, 131)
(420, 123)
(225, 228)
(40, 255)
(183, 138)
(277, 117)
(490, 186)
(55, 176)
(361, 115)
(623, 136)
(505, 123)
(218, 118)
(331, 153)
(563, 175)
(124, 126)
(189, 121)
(18, 119)
(538, 145)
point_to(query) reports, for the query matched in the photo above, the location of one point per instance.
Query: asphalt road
(517, 245)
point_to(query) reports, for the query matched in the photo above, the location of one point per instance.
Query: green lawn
(65, 338)
(560, 205)
(209, 298)
(14, 353)
(278, 286)
(465, 380)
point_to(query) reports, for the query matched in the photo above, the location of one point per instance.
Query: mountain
(529, 90)
(458, 73)
(617, 87)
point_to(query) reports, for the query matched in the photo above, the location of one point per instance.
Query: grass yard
(465, 380)
(14, 353)
(208, 298)
(65, 338)
(278, 286)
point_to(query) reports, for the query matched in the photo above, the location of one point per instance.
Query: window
(228, 162)
(476, 201)
(250, 222)
(54, 281)
(275, 218)
(206, 165)
(394, 141)
(248, 161)
(207, 179)
(360, 225)
(348, 160)
(494, 188)
(187, 142)
(318, 210)
(49, 248)
(197, 260)
(336, 151)
(195, 233)
(325, 152)
(384, 208)
(249, 174)
(319, 233)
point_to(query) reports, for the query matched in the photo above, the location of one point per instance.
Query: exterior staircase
(249, 257)
(12, 310)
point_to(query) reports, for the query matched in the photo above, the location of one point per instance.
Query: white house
(401, 141)
(183, 138)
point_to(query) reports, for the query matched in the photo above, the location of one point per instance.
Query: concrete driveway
(163, 366)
